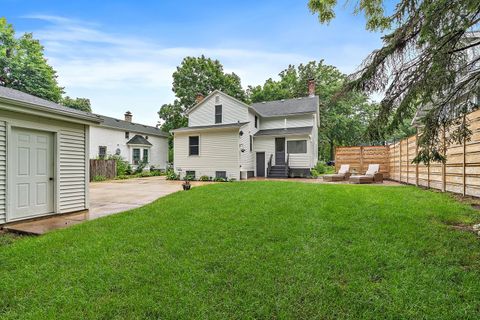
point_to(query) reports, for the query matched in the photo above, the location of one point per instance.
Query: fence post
(444, 168)
(408, 160)
(416, 154)
(361, 160)
(400, 161)
(464, 162)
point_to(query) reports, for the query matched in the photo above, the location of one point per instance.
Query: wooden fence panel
(459, 174)
(105, 168)
(360, 157)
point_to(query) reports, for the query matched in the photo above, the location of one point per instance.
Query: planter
(186, 186)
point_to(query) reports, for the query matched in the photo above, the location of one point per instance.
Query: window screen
(297, 146)
(221, 174)
(136, 156)
(193, 145)
(218, 113)
(145, 155)
(102, 152)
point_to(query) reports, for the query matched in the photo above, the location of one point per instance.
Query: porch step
(277, 172)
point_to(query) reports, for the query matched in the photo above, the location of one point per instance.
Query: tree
(343, 120)
(429, 62)
(81, 104)
(24, 67)
(197, 76)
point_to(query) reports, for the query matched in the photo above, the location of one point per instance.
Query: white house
(228, 138)
(134, 142)
(44, 167)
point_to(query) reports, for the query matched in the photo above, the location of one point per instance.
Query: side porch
(284, 153)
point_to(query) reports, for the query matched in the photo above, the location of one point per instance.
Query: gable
(203, 114)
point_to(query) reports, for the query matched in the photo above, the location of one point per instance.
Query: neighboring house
(228, 138)
(134, 142)
(44, 167)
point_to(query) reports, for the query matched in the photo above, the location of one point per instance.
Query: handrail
(269, 168)
(286, 164)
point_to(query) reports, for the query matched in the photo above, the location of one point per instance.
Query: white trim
(87, 167)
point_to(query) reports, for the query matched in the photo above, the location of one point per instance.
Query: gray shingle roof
(131, 126)
(49, 106)
(284, 132)
(213, 126)
(138, 139)
(287, 107)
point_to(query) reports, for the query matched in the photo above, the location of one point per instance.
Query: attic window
(218, 113)
(256, 122)
(146, 137)
(127, 135)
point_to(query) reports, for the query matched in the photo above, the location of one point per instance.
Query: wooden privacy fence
(459, 174)
(360, 157)
(105, 168)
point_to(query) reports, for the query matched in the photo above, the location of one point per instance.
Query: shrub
(99, 178)
(232, 180)
(122, 177)
(218, 179)
(144, 174)
(140, 167)
(314, 173)
(204, 178)
(156, 173)
(321, 167)
(123, 167)
(171, 175)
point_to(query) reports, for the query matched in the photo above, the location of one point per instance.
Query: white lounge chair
(372, 175)
(342, 174)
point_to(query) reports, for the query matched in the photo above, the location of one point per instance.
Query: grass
(275, 250)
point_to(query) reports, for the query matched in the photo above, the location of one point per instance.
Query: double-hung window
(218, 113)
(136, 156)
(145, 155)
(251, 143)
(297, 146)
(193, 145)
(102, 152)
(256, 122)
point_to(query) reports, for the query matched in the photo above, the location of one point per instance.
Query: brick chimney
(311, 87)
(128, 116)
(198, 98)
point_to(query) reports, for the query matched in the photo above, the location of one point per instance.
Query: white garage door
(31, 169)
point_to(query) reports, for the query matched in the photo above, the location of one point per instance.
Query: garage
(43, 157)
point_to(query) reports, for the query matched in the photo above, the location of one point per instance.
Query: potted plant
(186, 184)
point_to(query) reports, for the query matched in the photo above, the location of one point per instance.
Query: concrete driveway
(120, 195)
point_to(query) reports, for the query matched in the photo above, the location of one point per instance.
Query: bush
(140, 167)
(205, 178)
(232, 180)
(122, 177)
(314, 173)
(123, 167)
(144, 174)
(156, 173)
(218, 179)
(321, 167)
(99, 178)
(171, 175)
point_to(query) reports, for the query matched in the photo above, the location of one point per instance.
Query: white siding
(71, 158)
(247, 158)
(115, 139)
(72, 171)
(298, 160)
(232, 112)
(307, 120)
(3, 171)
(219, 151)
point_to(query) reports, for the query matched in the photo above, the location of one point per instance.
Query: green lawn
(275, 250)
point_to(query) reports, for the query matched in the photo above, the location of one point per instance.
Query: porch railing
(269, 168)
(286, 165)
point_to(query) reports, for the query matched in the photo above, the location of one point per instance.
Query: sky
(121, 54)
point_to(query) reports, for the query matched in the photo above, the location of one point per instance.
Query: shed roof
(213, 126)
(131, 126)
(284, 132)
(286, 107)
(16, 96)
